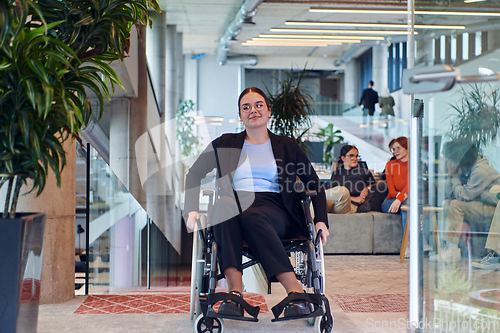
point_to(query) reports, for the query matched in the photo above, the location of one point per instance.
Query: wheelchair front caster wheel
(323, 324)
(208, 325)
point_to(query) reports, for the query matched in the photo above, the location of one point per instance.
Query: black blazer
(369, 98)
(291, 163)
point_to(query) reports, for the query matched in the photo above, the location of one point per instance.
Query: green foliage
(291, 107)
(478, 116)
(188, 142)
(53, 54)
(329, 138)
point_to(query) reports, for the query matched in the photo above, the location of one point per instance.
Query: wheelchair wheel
(323, 324)
(204, 324)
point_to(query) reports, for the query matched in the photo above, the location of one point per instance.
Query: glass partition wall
(458, 165)
(125, 250)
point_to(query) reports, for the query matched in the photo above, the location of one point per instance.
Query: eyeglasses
(258, 106)
(395, 149)
(353, 156)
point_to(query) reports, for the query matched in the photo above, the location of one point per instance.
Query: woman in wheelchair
(257, 200)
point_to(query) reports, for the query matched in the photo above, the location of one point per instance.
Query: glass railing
(328, 106)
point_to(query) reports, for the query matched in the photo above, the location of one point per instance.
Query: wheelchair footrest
(253, 311)
(315, 299)
(213, 314)
(317, 313)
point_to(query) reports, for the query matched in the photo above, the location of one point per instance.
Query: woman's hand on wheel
(324, 233)
(191, 221)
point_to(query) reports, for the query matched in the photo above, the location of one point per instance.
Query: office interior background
(128, 225)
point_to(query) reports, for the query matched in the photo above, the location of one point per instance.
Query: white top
(257, 170)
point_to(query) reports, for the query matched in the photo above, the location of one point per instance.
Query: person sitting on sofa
(382, 175)
(491, 260)
(349, 185)
(396, 172)
(468, 192)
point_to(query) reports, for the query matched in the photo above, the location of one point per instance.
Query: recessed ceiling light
(369, 25)
(331, 31)
(357, 11)
(289, 42)
(403, 12)
(311, 40)
(321, 37)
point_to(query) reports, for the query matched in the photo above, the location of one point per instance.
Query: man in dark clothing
(369, 98)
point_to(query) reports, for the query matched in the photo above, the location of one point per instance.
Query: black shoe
(297, 308)
(230, 308)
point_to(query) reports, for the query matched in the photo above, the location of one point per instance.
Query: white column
(493, 39)
(379, 67)
(351, 94)
(425, 54)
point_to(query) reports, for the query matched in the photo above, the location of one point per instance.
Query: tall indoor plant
(477, 114)
(54, 56)
(291, 107)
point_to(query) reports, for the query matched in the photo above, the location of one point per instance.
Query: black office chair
(310, 271)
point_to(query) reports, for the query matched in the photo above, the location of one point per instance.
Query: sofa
(364, 233)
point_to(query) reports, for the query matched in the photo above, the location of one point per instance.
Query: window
(365, 69)
(396, 63)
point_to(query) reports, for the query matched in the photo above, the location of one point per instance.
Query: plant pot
(21, 248)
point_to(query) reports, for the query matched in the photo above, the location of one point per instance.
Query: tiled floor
(368, 294)
(354, 285)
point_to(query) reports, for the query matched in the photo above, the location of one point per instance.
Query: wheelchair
(309, 269)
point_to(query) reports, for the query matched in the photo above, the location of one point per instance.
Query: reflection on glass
(116, 220)
(458, 190)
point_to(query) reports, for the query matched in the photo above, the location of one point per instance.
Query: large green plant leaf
(52, 52)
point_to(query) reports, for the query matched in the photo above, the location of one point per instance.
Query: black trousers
(261, 226)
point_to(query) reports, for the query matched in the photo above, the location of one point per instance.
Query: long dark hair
(343, 151)
(255, 90)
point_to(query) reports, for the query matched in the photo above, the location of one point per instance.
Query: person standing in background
(369, 98)
(386, 103)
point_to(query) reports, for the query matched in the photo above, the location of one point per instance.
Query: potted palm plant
(54, 55)
(476, 114)
(330, 137)
(291, 107)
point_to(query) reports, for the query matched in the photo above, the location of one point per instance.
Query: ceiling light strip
(310, 40)
(264, 43)
(322, 37)
(369, 25)
(382, 32)
(401, 12)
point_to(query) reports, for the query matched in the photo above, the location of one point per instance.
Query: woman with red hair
(396, 172)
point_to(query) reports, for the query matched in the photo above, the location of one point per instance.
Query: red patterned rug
(372, 303)
(149, 303)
